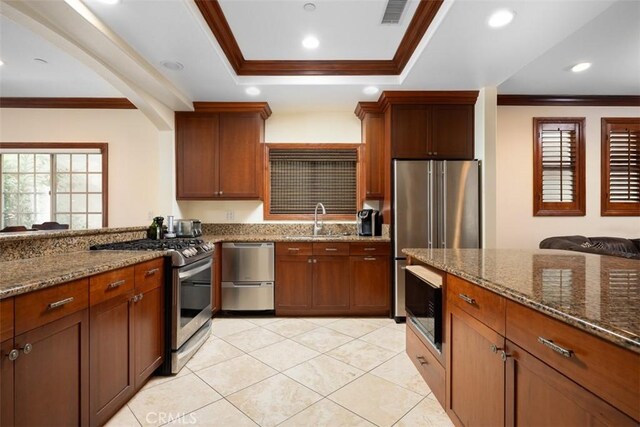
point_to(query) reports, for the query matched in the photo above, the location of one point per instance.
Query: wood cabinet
(374, 163)
(426, 363)
(321, 278)
(432, 132)
(219, 153)
(6, 364)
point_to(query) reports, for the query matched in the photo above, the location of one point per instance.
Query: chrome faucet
(317, 229)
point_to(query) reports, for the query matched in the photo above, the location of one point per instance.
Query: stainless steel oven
(423, 303)
(191, 310)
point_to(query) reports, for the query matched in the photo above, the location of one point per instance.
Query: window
(65, 183)
(620, 179)
(558, 167)
(301, 175)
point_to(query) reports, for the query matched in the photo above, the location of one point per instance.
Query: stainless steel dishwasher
(247, 276)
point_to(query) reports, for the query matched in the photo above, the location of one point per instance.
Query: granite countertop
(215, 238)
(597, 293)
(54, 234)
(26, 275)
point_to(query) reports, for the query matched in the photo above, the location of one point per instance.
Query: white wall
(516, 226)
(316, 127)
(485, 150)
(140, 157)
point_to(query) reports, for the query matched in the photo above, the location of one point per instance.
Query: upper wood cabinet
(374, 161)
(219, 151)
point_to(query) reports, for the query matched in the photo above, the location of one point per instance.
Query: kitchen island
(539, 337)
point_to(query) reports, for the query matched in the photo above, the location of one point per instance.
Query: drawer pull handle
(13, 354)
(422, 360)
(116, 284)
(369, 258)
(331, 249)
(151, 272)
(369, 249)
(467, 299)
(60, 303)
(293, 249)
(555, 347)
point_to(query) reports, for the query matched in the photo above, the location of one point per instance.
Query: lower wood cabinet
(294, 275)
(330, 284)
(370, 278)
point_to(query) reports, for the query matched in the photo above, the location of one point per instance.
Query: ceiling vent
(393, 12)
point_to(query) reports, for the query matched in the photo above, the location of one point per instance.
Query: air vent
(393, 12)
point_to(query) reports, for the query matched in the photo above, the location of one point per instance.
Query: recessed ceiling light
(370, 90)
(41, 61)
(1, 62)
(500, 18)
(309, 7)
(172, 65)
(581, 67)
(310, 42)
(252, 91)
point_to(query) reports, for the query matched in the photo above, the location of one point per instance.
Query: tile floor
(307, 372)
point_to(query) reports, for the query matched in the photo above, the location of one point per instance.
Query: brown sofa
(614, 246)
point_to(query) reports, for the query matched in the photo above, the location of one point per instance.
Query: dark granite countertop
(597, 293)
(26, 275)
(291, 238)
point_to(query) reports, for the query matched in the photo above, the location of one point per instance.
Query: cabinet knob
(220, 192)
(315, 261)
(309, 260)
(27, 348)
(435, 153)
(430, 153)
(13, 354)
(504, 355)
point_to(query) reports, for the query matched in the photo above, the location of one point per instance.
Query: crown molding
(80, 103)
(261, 108)
(571, 100)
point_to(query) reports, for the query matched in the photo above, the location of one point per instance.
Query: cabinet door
(196, 156)
(148, 333)
(410, 130)
(451, 132)
(537, 395)
(240, 156)
(52, 380)
(293, 284)
(475, 386)
(330, 289)
(112, 369)
(6, 383)
(370, 285)
(373, 138)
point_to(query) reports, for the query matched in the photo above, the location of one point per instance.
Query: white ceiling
(531, 56)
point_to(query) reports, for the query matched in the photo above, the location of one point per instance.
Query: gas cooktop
(183, 251)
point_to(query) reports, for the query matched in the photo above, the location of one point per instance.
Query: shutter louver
(301, 178)
(620, 166)
(558, 167)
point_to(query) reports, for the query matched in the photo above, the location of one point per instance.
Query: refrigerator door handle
(431, 211)
(443, 204)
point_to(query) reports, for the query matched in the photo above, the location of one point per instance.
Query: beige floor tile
(229, 326)
(321, 320)
(353, 327)
(400, 327)
(284, 354)
(291, 327)
(322, 339)
(212, 352)
(235, 374)
(399, 370)
(324, 374)
(253, 339)
(427, 413)
(379, 401)
(157, 380)
(326, 414)
(218, 414)
(379, 321)
(388, 338)
(171, 400)
(261, 321)
(273, 400)
(361, 354)
(123, 418)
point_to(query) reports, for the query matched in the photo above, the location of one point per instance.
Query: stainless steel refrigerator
(436, 204)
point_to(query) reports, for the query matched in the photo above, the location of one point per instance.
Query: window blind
(301, 178)
(558, 166)
(620, 166)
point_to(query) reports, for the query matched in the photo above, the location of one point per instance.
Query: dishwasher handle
(247, 245)
(246, 284)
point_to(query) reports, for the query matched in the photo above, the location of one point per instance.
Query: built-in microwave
(423, 302)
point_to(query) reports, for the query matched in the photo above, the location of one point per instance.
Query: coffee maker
(369, 222)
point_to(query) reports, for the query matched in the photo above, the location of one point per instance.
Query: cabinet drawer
(428, 366)
(327, 248)
(46, 305)
(487, 307)
(149, 275)
(365, 248)
(6, 319)
(605, 369)
(294, 248)
(111, 284)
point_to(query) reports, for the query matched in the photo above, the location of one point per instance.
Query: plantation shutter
(301, 178)
(558, 167)
(621, 167)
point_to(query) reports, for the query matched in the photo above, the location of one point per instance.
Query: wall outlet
(230, 215)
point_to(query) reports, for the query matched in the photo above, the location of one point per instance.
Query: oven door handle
(192, 271)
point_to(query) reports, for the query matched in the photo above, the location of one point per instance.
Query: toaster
(188, 228)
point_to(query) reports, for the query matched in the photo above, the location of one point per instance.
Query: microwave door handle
(193, 272)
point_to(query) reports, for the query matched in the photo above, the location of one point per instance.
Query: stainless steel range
(189, 290)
